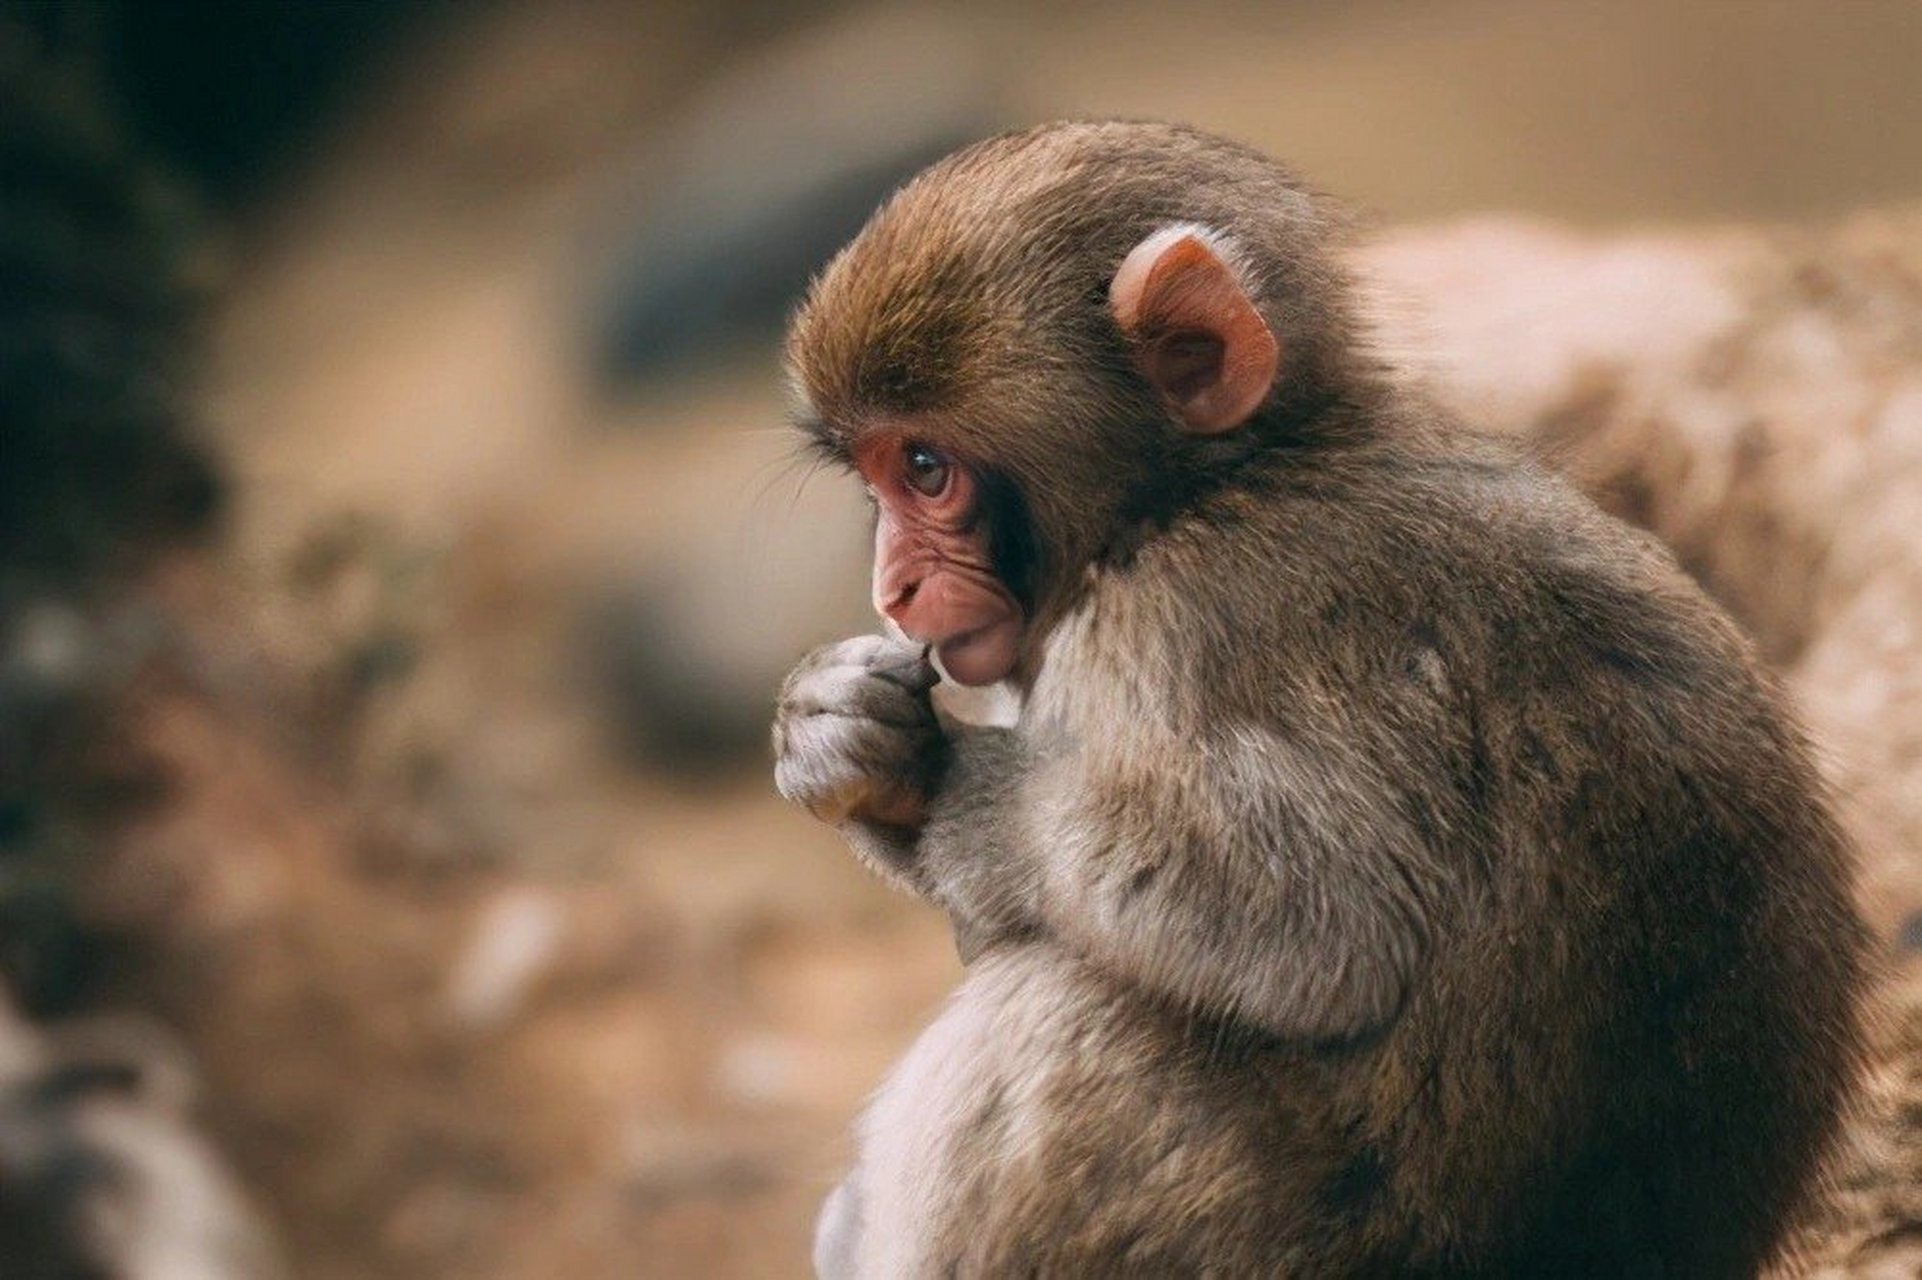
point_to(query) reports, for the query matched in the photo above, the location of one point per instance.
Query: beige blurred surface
(474, 996)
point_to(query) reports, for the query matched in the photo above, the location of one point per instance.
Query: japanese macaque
(1396, 866)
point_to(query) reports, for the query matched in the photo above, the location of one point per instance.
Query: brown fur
(1397, 866)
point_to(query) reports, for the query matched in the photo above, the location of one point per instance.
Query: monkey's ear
(1197, 336)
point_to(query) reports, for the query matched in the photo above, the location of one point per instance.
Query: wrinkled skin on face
(934, 569)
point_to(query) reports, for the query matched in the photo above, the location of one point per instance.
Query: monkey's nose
(903, 597)
(896, 592)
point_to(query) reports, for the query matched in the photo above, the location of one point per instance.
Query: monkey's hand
(857, 744)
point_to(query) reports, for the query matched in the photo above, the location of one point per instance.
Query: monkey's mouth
(965, 616)
(981, 655)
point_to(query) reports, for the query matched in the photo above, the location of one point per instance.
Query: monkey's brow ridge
(826, 442)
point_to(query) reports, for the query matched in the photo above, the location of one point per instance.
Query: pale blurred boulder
(1755, 399)
(770, 168)
(101, 1171)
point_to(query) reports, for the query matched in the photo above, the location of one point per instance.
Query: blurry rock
(771, 169)
(100, 1172)
(61, 667)
(513, 944)
(671, 1163)
(678, 702)
(1755, 400)
(49, 656)
(758, 1069)
(688, 647)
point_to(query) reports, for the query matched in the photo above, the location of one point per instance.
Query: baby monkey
(1397, 866)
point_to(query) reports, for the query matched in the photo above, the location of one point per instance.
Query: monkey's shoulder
(1337, 574)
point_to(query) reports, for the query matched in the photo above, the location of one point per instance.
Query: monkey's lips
(983, 655)
(964, 614)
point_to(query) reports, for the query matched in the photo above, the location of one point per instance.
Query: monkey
(1395, 865)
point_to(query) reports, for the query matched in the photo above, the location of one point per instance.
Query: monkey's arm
(1246, 881)
(1245, 877)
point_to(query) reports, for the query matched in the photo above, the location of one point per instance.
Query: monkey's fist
(855, 738)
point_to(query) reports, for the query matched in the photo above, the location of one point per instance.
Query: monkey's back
(1638, 1018)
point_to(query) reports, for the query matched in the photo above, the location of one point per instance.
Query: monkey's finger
(872, 745)
(858, 692)
(909, 667)
(887, 654)
(854, 652)
(860, 651)
(837, 779)
(897, 661)
(832, 805)
(826, 785)
(868, 745)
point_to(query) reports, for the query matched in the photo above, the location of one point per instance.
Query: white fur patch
(995, 706)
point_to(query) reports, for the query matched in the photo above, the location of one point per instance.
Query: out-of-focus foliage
(102, 1171)
(95, 310)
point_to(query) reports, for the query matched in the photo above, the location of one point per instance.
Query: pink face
(933, 565)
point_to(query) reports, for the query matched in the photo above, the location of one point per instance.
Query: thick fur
(1398, 866)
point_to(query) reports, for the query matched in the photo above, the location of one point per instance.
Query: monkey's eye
(927, 470)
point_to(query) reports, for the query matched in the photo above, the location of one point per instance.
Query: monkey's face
(944, 573)
(972, 506)
(958, 552)
(1030, 352)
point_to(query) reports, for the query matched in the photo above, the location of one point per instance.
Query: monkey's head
(1051, 339)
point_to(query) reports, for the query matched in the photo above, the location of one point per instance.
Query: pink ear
(1197, 336)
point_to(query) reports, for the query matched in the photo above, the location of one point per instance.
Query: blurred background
(402, 542)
